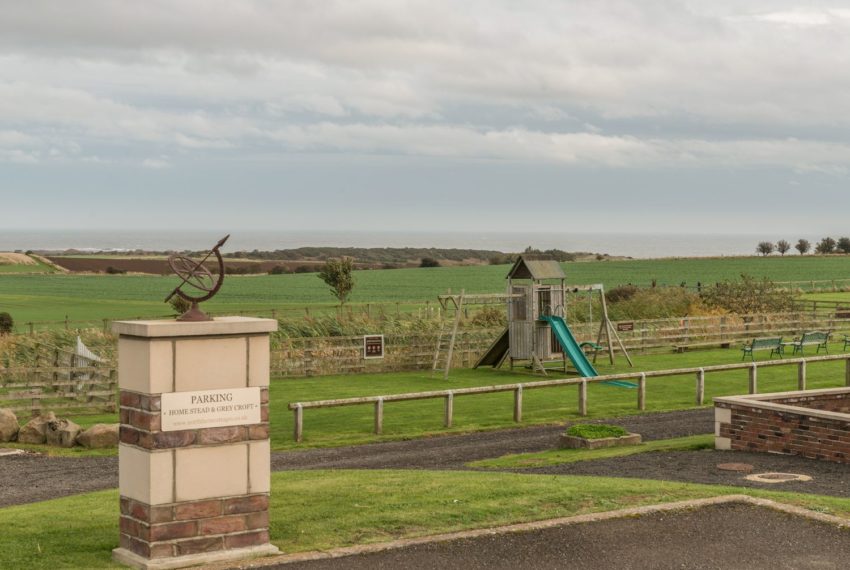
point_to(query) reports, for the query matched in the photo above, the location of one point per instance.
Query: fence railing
(78, 389)
(448, 395)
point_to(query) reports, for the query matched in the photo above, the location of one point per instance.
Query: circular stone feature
(737, 467)
(777, 477)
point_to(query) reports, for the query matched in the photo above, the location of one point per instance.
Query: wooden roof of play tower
(536, 269)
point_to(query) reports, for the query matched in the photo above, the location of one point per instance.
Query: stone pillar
(194, 457)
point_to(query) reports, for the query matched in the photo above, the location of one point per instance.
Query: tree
(337, 274)
(783, 246)
(428, 262)
(765, 247)
(803, 246)
(826, 245)
(6, 323)
(843, 245)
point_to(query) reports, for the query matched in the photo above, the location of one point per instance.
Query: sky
(585, 116)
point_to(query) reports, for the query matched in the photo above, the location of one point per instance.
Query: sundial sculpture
(196, 275)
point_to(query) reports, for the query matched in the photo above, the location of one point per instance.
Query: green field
(95, 297)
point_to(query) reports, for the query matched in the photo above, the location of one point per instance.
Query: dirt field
(158, 266)
(7, 258)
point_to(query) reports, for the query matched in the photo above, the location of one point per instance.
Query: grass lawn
(423, 418)
(96, 297)
(561, 456)
(314, 510)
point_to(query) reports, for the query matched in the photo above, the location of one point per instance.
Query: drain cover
(777, 477)
(737, 467)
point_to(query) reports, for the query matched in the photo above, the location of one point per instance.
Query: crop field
(94, 297)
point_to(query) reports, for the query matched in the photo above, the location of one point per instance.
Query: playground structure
(537, 332)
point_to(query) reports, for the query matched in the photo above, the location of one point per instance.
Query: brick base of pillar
(192, 532)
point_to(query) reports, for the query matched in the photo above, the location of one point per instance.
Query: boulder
(62, 433)
(8, 426)
(35, 430)
(99, 436)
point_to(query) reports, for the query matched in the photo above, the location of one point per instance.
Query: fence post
(450, 405)
(801, 375)
(32, 328)
(66, 322)
(847, 372)
(642, 391)
(754, 387)
(379, 416)
(299, 423)
(700, 387)
(518, 404)
(582, 398)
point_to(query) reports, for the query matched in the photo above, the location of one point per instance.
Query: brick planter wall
(813, 424)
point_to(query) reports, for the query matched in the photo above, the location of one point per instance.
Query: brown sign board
(626, 327)
(373, 346)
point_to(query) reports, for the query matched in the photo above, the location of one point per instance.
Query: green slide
(571, 347)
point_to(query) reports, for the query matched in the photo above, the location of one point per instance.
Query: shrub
(7, 323)
(305, 269)
(115, 271)
(622, 293)
(748, 296)
(179, 305)
(843, 245)
(428, 262)
(654, 303)
(278, 270)
(596, 431)
(490, 317)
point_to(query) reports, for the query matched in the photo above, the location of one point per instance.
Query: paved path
(723, 536)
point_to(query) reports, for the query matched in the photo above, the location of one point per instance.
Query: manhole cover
(777, 477)
(737, 467)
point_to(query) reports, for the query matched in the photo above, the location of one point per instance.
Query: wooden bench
(814, 338)
(773, 344)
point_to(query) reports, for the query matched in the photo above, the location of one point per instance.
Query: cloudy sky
(597, 115)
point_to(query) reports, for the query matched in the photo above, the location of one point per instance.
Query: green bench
(815, 338)
(774, 345)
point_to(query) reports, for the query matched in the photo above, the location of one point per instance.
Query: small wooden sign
(626, 327)
(373, 346)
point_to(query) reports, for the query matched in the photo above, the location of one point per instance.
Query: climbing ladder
(446, 346)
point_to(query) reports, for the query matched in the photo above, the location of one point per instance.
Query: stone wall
(813, 424)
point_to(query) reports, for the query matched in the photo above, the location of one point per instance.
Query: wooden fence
(582, 383)
(317, 356)
(50, 378)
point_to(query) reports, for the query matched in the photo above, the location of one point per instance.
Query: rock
(62, 433)
(99, 436)
(8, 426)
(35, 430)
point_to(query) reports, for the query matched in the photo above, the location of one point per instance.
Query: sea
(636, 245)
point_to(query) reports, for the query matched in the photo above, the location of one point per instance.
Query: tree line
(824, 246)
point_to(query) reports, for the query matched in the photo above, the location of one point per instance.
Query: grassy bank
(313, 510)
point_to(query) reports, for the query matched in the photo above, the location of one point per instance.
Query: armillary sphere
(196, 275)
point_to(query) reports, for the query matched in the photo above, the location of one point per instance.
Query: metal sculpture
(195, 274)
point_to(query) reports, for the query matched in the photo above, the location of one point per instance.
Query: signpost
(373, 346)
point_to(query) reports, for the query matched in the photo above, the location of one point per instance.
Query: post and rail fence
(518, 388)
